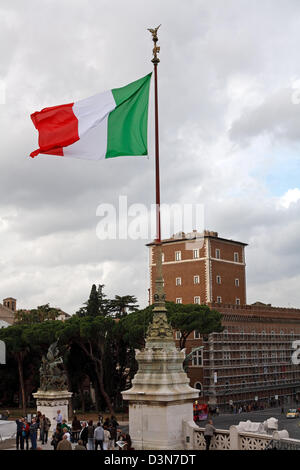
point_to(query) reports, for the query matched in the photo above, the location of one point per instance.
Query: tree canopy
(98, 342)
(37, 315)
(185, 318)
(99, 305)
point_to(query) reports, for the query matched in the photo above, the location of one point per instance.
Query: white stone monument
(49, 402)
(161, 398)
(53, 394)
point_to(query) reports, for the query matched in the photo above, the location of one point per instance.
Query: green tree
(92, 309)
(79, 368)
(97, 304)
(119, 362)
(121, 305)
(193, 317)
(91, 335)
(26, 343)
(18, 348)
(185, 318)
(37, 315)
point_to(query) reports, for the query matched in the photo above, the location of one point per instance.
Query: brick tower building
(204, 269)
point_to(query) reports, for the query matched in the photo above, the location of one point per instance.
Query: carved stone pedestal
(160, 399)
(49, 402)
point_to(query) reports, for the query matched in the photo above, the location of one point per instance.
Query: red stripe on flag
(55, 151)
(57, 126)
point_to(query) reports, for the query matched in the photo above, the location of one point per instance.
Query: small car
(292, 413)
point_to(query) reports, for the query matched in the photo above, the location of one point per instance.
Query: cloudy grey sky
(229, 83)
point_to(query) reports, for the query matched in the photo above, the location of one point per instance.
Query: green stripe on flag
(128, 122)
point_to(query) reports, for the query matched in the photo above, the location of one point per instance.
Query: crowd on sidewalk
(84, 435)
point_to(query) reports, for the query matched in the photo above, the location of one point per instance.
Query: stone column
(161, 398)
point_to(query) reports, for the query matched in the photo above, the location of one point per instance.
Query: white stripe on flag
(92, 114)
(92, 146)
(92, 110)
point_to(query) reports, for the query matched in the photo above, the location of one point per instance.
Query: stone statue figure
(153, 31)
(52, 373)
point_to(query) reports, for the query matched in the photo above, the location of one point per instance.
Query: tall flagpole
(155, 61)
(159, 331)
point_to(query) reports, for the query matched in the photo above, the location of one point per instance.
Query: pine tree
(93, 303)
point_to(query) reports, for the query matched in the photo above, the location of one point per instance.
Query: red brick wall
(187, 268)
(188, 290)
(227, 249)
(227, 289)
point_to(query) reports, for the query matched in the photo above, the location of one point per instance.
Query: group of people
(28, 431)
(87, 436)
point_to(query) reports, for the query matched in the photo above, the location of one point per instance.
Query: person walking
(64, 444)
(19, 434)
(47, 425)
(44, 428)
(90, 435)
(209, 431)
(113, 427)
(25, 433)
(33, 433)
(76, 428)
(83, 435)
(106, 441)
(99, 436)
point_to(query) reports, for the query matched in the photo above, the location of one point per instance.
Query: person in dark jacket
(114, 422)
(113, 428)
(90, 432)
(106, 422)
(76, 428)
(33, 433)
(57, 437)
(83, 435)
(45, 425)
(19, 434)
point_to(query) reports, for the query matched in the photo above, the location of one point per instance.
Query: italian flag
(106, 125)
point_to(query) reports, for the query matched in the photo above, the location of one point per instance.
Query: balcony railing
(233, 439)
